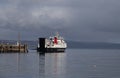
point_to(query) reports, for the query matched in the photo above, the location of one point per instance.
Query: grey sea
(74, 63)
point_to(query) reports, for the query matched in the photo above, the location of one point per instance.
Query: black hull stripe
(51, 50)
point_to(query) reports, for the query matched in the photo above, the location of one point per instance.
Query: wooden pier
(13, 48)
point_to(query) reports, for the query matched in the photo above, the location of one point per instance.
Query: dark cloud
(82, 20)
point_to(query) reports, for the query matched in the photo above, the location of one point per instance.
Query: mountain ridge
(71, 44)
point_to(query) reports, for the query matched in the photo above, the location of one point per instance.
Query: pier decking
(12, 48)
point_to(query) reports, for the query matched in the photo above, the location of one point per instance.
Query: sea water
(74, 63)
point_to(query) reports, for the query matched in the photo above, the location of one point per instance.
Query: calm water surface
(74, 63)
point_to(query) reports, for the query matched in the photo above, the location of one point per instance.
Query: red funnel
(55, 40)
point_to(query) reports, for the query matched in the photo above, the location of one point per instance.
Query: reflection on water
(41, 66)
(20, 65)
(74, 63)
(32, 65)
(55, 65)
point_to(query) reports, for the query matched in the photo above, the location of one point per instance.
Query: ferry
(52, 44)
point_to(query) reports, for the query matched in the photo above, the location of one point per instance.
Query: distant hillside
(71, 44)
(93, 45)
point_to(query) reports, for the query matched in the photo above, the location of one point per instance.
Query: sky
(77, 20)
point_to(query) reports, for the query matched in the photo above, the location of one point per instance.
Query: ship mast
(18, 42)
(57, 34)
